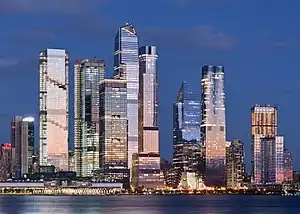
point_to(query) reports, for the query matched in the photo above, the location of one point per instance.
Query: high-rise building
(88, 74)
(186, 130)
(113, 131)
(126, 67)
(148, 101)
(22, 141)
(267, 147)
(235, 165)
(270, 160)
(146, 170)
(5, 161)
(54, 108)
(213, 124)
(288, 165)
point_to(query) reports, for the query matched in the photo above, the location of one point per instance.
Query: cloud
(199, 37)
(272, 40)
(8, 62)
(12, 68)
(184, 3)
(38, 6)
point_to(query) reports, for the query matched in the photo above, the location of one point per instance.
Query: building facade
(186, 132)
(22, 142)
(113, 130)
(213, 124)
(5, 161)
(146, 171)
(235, 164)
(126, 67)
(148, 101)
(54, 108)
(267, 160)
(88, 74)
(288, 165)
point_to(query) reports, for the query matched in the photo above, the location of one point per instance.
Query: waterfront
(149, 204)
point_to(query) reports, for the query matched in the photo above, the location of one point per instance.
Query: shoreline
(167, 195)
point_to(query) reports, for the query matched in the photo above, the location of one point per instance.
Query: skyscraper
(54, 108)
(186, 130)
(126, 66)
(5, 161)
(88, 74)
(113, 131)
(148, 101)
(22, 140)
(146, 164)
(235, 165)
(213, 124)
(288, 165)
(267, 147)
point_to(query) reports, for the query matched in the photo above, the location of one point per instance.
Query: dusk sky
(257, 41)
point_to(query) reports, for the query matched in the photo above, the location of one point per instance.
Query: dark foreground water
(149, 204)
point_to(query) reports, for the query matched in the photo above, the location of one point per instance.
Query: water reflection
(149, 204)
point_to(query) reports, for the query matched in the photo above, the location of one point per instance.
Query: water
(149, 204)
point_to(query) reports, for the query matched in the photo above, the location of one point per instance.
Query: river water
(149, 204)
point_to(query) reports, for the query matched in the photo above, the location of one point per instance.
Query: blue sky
(257, 42)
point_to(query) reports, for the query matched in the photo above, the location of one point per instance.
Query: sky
(257, 42)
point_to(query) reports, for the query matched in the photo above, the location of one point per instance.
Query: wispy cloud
(184, 3)
(200, 37)
(8, 62)
(57, 6)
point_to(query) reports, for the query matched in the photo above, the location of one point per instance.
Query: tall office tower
(113, 131)
(5, 161)
(186, 132)
(267, 147)
(54, 108)
(288, 165)
(235, 165)
(88, 73)
(213, 124)
(148, 101)
(126, 66)
(146, 164)
(22, 140)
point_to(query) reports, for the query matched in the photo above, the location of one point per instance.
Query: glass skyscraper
(126, 67)
(267, 160)
(148, 101)
(186, 131)
(22, 140)
(54, 108)
(213, 124)
(113, 131)
(88, 74)
(235, 165)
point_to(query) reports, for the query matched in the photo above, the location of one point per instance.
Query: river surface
(149, 204)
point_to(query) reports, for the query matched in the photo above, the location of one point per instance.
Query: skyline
(237, 59)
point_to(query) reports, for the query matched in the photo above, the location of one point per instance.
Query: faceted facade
(126, 67)
(213, 124)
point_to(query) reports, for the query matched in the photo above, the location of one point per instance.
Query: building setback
(213, 124)
(267, 147)
(126, 67)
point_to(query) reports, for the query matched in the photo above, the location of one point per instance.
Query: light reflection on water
(149, 204)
